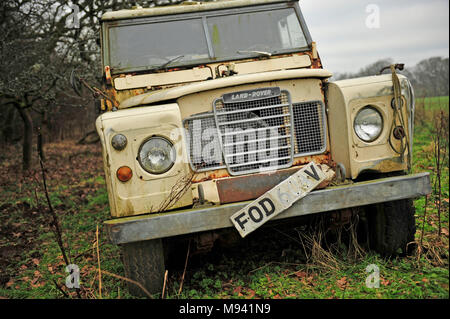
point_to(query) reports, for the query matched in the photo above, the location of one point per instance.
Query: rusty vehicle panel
(195, 128)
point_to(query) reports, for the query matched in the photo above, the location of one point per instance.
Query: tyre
(392, 227)
(144, 263)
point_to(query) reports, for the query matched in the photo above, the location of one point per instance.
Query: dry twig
(164, 285)
(185, 266)
(99, 269)
(128, 280)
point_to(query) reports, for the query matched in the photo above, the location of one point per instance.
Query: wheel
(144, 263)
(391, 227)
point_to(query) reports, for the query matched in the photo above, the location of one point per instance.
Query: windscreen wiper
(163, 66)
(259, 53)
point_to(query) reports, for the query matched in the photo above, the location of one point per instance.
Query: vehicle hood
(176, 92)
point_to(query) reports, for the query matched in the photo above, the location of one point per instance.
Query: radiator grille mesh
(309, 127)
(255, 135)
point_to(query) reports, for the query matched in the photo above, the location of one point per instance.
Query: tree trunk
(8, 126)
(40, 147)
(27, 137)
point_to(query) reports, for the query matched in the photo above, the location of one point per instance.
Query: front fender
(344, 99)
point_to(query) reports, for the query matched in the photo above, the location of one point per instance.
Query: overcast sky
(407, 31)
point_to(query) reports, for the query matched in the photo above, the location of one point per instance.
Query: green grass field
(273, 265)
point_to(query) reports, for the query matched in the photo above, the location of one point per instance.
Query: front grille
(310, 128)
(255, 134)
(203, 142)
(252, 135)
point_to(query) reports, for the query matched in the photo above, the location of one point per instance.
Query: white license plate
(278, 199)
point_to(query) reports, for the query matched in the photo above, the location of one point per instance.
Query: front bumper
(152, 226)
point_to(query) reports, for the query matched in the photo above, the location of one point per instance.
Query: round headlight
(368, 124)
(156, 155)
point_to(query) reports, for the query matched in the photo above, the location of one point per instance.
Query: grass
(269, 264)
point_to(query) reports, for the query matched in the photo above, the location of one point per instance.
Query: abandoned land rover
(220, 115)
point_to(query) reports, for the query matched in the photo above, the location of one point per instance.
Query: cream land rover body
(172, 73)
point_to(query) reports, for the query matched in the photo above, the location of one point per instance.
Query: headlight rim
(380, 113)
(172, 146)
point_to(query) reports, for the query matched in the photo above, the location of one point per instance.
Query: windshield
(135, 45)
(151, 45)
(269, 31)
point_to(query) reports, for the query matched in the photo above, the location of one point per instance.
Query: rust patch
(389, 165)
(112, 94)
(318, 159)
(108, 78)
(315, 63)
(299, 161)
(207, 176)
(248, 187)
(242, 188)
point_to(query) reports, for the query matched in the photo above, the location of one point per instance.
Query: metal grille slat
(258, 140)
(254, 119)
(258, 151)
(261, 162)
(257, 108)
(254, 130)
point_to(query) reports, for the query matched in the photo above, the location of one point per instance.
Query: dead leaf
(36, 261)
(10, 283)
(444, 231)
(251, 294)
(237, 290)
(385, 282)
(301, 274)
(342, 283)
(277, 296)
(26, 278)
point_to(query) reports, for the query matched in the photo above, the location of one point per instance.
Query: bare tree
(431, 77)
(41, 41)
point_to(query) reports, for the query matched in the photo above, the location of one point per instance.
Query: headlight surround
(368, 124)
(157, 155)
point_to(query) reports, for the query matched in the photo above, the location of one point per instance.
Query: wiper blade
(163, 66)
(255, 52)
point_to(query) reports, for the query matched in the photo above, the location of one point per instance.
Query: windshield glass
(134, 45)
(150, 45)
(268, 31)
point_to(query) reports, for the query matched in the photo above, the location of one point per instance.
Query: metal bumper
(145, 227)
